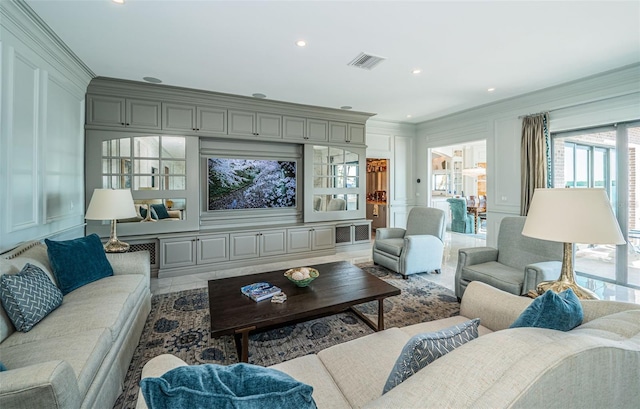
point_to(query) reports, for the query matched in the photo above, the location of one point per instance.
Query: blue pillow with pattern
(238, 386)
(28, 297)
(423, 349)
(559, 311)
(78, 262)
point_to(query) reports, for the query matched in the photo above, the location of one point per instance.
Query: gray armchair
(417, 249)
(516, 266)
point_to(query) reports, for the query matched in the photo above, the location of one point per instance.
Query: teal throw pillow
(78, 262)
(560, 311)
(423, 349)
(2, 367)
(28, 297)
(161, 211)
(238, 386)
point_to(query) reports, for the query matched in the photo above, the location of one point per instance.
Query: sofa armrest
(390, 233)
(50, 384)
(536, 272)
(496, 309)
(136, 262)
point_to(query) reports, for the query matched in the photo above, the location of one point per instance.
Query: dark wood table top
(340, 286)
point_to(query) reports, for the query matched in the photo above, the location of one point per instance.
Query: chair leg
(438, 271)
(406, 277)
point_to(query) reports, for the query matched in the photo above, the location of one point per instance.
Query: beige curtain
(533, 158)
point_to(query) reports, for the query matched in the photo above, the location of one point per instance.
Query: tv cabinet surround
(223, 125)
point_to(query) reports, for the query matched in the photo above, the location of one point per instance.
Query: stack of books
(260, 291)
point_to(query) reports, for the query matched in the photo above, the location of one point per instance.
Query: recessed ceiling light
(416, 71)
(346, 107)
(301, 43)
(258, 95)
(118, 1)
(409, 116)
(491, 89)
(151, 79)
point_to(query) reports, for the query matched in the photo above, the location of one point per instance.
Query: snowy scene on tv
(251, 184)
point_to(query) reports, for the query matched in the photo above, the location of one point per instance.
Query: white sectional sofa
(78, 355)
(596, 365)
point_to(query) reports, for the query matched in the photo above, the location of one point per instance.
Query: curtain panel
(534, 157)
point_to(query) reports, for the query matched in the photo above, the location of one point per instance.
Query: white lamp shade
(572, 216)
(110, 204)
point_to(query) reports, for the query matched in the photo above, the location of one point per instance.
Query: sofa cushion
(28, 297)
(360, 367)
(78, 262)
(310, 370)
(496, 275)
(234, 386)
(423, 349)
(160, 210)
(551, 310)
(390, 246)
(437, 325)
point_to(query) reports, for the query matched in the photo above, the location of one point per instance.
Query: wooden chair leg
(438, 271)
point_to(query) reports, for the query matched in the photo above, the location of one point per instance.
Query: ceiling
(462, 48)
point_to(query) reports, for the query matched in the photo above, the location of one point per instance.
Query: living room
(48, 176)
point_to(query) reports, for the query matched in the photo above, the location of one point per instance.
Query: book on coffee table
(260, 291)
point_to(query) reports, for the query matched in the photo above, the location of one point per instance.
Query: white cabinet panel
(244, 245)
(212, 249)
(211, 120)
(294, 128)
(323, 238)
(178, 252)
(299, 240)
(269, 126)
(273, 243)
(242, 123)
(317, 130)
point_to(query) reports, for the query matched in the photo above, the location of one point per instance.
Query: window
(606, 157)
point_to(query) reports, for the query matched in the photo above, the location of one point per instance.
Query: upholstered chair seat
(416, 249)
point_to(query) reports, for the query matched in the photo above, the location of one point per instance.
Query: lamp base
(559, 286)
(116, 246)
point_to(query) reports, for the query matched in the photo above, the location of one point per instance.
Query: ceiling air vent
(366, 61)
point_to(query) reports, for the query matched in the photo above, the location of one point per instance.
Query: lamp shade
(110, 204)
(572, 216)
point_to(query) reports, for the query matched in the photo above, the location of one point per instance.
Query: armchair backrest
(458, 208)
(426, 220)
(517, 251)
(336, 204)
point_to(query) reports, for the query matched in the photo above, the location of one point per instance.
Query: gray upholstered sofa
(517, 265)
(596, 365)
(78, 355)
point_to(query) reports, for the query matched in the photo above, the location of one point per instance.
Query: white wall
(396, 142)
(602, 99)
(42, 132)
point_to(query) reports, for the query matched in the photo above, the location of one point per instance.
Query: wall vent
(366, 61)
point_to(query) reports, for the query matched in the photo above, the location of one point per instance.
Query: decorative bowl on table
(301, 276)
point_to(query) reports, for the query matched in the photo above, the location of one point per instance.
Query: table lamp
(111, 204)
(571, 216)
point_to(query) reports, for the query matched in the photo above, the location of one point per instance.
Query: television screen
(251, 183)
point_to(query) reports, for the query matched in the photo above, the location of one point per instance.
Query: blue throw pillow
(551, 310)
(238, 386)
(143, 213)
(423, 349)
(2, 367)
(78, 262)
(28, 297)
(161, 211)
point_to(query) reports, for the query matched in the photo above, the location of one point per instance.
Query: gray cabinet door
(180, 252)
(242, 123)
(317, 130)
(323, 237)
(269, 125)
(294, 128)
(356, 134)
(273, 242)
(338, 132)
(178, 117)
(143, 114)
(211, 120)
(244, 245)
(212, 249)
(298, 240)
(104, 110)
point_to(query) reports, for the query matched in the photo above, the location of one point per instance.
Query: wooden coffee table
(339, 287)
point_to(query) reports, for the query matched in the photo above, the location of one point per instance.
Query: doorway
(377, 188)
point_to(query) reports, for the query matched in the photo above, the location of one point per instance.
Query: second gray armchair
(416, 249)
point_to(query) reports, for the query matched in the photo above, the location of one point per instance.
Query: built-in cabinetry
(204, 120)
(255, 123)
(255, 244)
(123, 112)
(193, 250)
(310, 239)
(341, 132)
(355, 232)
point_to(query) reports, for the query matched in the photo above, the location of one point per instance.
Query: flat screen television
(250, 184)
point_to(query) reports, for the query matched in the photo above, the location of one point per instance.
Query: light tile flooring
(453, 242)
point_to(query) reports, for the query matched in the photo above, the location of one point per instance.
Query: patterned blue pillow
(78, 262)
(239, 386)
(422, 349)
(28, 296)
(562, 312)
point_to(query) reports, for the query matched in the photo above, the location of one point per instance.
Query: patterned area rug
(179, 324)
